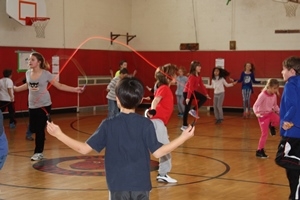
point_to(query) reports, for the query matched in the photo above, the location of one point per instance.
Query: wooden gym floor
(217, 163)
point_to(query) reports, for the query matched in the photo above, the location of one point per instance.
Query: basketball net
(39, 25)
(290, 8)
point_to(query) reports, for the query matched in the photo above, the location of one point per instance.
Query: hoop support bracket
(115, 36)
(287, 31)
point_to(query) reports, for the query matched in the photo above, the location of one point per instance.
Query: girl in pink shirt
(266, 110)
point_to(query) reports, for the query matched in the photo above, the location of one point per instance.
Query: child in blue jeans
(3, 143)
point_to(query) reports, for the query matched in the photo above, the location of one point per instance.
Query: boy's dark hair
(121, 62)
(193, 66)
(123, 71)
(130, 92)
(7, 72)
(292, 62)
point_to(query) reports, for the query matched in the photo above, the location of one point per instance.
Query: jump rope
(70, 58)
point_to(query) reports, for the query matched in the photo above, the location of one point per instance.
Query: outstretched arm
(80, 147)
(167, 148)
(228, 84)
(254, 80)
(111, 74)
(134, 72)
(152, 111)
(21, 87)
(155, 102)
(67, 88)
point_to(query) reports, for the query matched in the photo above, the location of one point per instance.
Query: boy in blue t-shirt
(128, 139)
(3, 143)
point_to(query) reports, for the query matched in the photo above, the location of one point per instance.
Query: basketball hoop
(290, 8)
(39, 24)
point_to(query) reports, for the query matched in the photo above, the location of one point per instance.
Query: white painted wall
(160, 25)
(251, 23)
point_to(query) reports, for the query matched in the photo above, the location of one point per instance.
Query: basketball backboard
(19, 9)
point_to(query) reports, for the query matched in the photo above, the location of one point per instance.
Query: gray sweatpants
(218, 105)
(165, 163)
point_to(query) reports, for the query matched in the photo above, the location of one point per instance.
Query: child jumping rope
(218, 82)
(247, 78)
(160, 114)
(266, 110)
(194, 88)
(128, 139)
(180, 82)
(288, 148)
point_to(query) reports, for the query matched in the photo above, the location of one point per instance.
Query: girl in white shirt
(218, 82)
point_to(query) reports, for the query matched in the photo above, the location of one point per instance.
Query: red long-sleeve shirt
(194, 83)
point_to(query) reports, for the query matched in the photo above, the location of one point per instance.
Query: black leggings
(201, 99)
(11, 110)
(37, 124)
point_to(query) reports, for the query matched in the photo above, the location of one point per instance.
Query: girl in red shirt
(194, 88)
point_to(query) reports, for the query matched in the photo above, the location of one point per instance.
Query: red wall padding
(98, 63)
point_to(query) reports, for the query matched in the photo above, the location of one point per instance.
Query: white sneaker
(37, 156)
(194, 113)
(183, 128)
(165, 178)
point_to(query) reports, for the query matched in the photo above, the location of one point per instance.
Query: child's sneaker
(261, 154)
(194, 113)
(272, 130)
(218, 121)
(248, 114)
(37, 157)
(183, 128)
(165, 178)
(12, 125)
(29, 138)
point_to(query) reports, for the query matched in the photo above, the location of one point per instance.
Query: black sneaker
(29, 138)
(272, 130)
(261, 154)
(218, 121)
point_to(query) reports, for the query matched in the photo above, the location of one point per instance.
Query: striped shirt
(111, 87)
